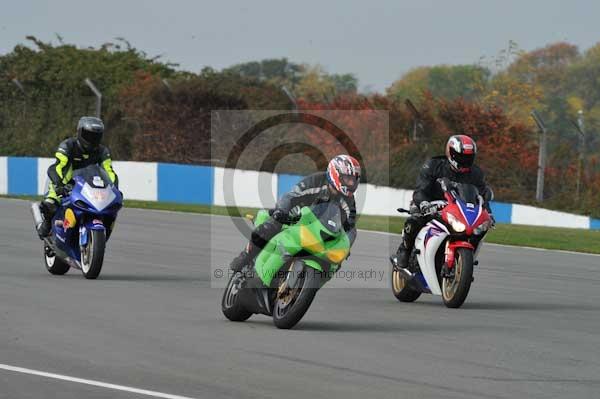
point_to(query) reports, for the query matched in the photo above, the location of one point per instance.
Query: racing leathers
(69, 157)
(311, 190)
(429, 189)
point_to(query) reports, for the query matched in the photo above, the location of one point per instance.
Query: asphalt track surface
(529, 329)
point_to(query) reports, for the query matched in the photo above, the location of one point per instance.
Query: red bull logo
(69, 220)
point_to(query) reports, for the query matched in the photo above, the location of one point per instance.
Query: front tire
(53, 263)
(230, 304)
(92, 255)
(455, 290)
(401, 290)
(292, 303)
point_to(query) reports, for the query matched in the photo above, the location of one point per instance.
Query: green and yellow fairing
(309, 234)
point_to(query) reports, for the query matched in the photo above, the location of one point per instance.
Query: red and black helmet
(343, 173)
(461, 151)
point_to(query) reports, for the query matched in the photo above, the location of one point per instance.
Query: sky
(377, 40)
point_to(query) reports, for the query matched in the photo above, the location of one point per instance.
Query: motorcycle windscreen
(94, 175)
(428, 242)
(329, 216)
(468, 193)
(97, 187)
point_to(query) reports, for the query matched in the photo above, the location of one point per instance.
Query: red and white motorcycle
(446, 248)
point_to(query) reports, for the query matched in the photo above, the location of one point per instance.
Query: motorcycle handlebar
(284, 219)
(435, 208)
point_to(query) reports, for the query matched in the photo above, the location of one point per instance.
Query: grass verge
(578, 240)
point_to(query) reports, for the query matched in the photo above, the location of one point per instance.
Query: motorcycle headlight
(456, 224)
(483, 227)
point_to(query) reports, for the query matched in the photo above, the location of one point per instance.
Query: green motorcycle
(290, 269)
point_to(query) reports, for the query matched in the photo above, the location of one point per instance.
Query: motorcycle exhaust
(407, 275)
(38, 219)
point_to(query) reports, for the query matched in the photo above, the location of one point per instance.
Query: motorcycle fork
(450, 252)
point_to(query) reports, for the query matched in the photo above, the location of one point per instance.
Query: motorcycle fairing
(306, 235)
(427, 243)
(82, 211)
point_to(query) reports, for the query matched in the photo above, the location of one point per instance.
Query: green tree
(412, 84)
(547, 69)
(316, 85)
(446, 81)
(55, 96)
(279, 71)
(304, 80)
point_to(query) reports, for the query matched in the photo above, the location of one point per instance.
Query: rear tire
(53, 263)
(289, 309)
(92, 256)
(455, 291)
(230, 304)
(401, 290)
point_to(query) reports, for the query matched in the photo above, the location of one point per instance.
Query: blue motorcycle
(83, 223)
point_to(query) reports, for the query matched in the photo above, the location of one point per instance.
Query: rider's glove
(425, 207)
(62, 190)
(294, 215)
(280, 215)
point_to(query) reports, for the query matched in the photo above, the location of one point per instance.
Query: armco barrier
(22, 176)
(227, 187)
(42, 174)
(234, 187)
(502, 212)
(138, 180)
(3, 175)
(286, 182)
(529, 215)
(185, 184)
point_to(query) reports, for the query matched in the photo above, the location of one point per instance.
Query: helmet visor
(351, 182)
(92, 138)
(464, 160)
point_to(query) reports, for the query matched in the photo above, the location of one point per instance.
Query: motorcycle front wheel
(456, 289)
(295, 295)
(92, 255)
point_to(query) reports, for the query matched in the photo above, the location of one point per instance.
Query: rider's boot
(48, 209)
(400, 258)
(245, 257)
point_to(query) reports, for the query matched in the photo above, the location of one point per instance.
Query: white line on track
(101, 384)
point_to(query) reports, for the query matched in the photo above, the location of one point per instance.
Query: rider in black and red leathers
(457, 166)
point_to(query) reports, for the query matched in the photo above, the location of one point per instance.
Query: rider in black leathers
(336, 185)
(72, 154)
(456, 166)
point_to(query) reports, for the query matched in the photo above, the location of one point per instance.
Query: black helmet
(89, 132)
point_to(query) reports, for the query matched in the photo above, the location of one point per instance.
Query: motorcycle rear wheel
(455, 290)
(53, 263)
(401, 290)
(230, 304)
